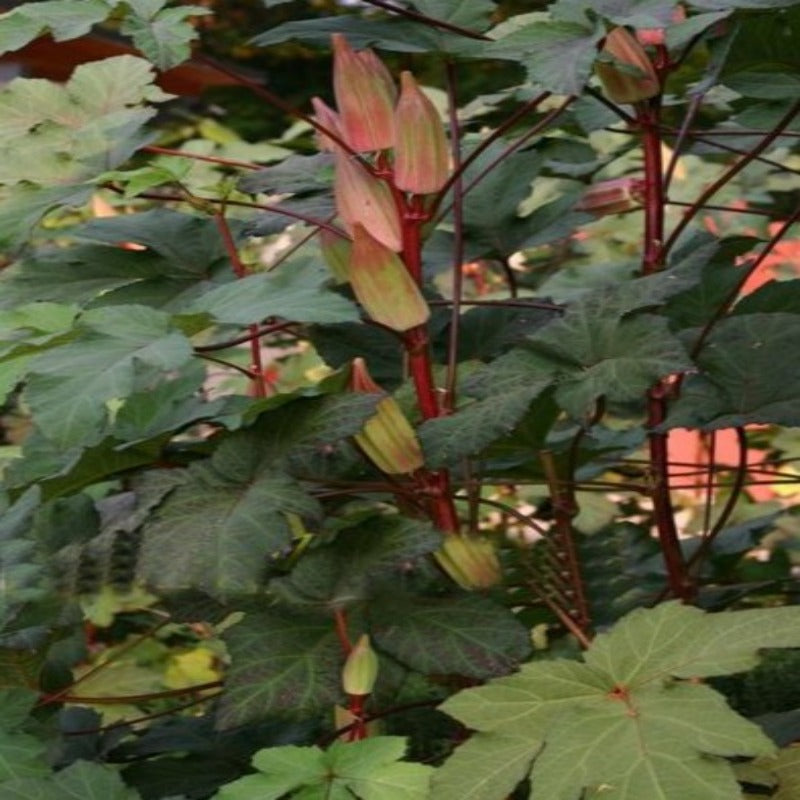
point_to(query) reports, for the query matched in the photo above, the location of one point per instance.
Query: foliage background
(183, 540)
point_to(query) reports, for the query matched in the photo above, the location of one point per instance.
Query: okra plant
(443, 446)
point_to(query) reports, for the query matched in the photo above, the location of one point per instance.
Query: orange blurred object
(44, 58)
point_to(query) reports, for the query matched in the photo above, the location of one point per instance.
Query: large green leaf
(113, 354)
(82, 780)
(485, 767)
(463, 634)
(216, 531)
(470, 429)
(470, 14)
(492, 225)
(21, 757)
(282, 664)
(399, 35)
(191, 244)
(558, 54)
(342, 572)
(369, 769)
(595, 356)
(296, 292)
(54, 139)
(630, 721)
(64, 135)
(738, 382)
(64, 19)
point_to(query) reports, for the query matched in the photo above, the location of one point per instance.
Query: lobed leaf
(630, 721)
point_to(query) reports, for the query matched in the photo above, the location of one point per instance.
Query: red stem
(259, 383)
(457, 286)
(226, 162)
(340, 621)
(652, 261)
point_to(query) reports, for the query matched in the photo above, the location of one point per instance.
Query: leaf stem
(259, 383)
(729, 174)
(426, 20)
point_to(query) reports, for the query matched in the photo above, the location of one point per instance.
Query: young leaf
(163, 36)
(65, 136)
(369, 769)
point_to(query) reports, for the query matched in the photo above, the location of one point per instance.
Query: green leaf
(295, 292)
(738, 383)
(594, 356)
(281, 769)
(111, 355)
(463, 634)
(762, 51)
(21, 756)
(64, 136)
(473, 427)
(470, 14)
(336, 575)
(170, 407)
(59, 472)
(164, 36)
(399, 35)
(23, 577)
(485, 767)
(17, 704)
(216, 532)
(771, 297)
(492, 224)
(190, 243)
(23, 207)
(64, 19)
(681, 34)
(82, 780)
(282, 664)
(298, 175)
(629, 722)
(786, 767)
(369, 769)
(558, 55)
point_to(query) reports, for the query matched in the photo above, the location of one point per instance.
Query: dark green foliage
(194, 539)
